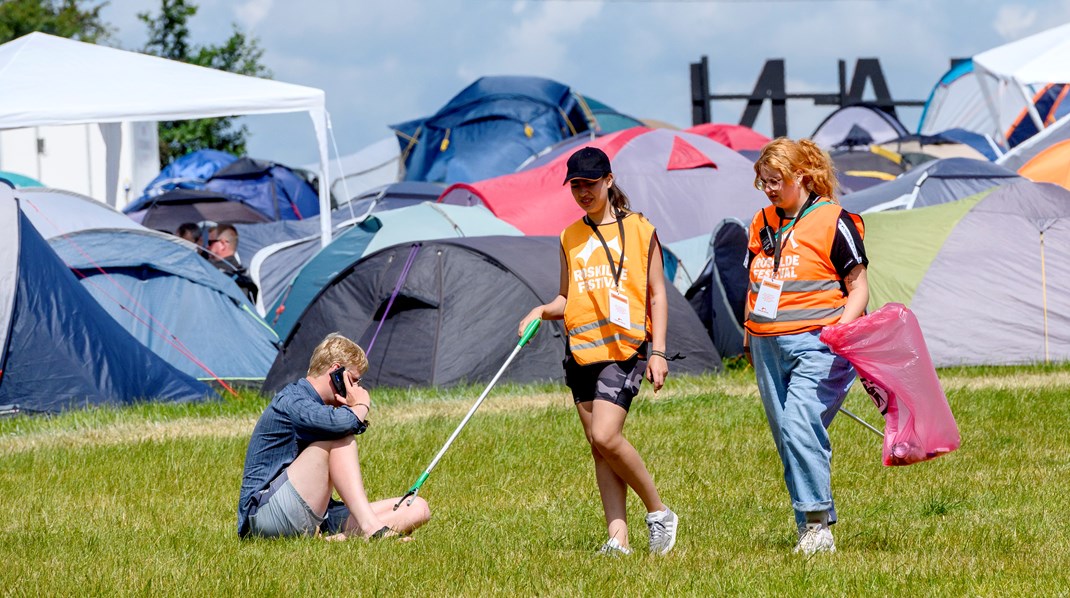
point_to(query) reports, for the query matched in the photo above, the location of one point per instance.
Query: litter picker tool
(862, 421)
(529, 332)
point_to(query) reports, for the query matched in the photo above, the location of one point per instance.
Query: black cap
(587, 163)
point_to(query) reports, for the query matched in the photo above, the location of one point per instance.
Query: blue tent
(272, 189)
(415, 223)
(929, 184)
(494, 125)
(188, 172)
(58, 348)
(172, 300)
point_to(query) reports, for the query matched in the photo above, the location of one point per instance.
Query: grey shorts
(282, 512)
(614, 381)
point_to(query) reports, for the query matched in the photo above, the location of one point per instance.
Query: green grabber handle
(529, 332)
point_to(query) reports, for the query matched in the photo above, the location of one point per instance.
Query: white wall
(74, 158)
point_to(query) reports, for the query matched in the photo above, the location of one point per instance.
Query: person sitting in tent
(190, 231)
(222, 252)
(304, 447)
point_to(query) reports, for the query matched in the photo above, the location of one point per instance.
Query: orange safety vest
(592, 336)
(812, 295)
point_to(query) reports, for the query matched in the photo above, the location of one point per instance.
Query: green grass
(142, 500)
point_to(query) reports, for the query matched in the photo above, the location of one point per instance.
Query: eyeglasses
(771, 184)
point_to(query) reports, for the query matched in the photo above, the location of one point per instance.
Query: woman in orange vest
(615, 308)
(807, 270)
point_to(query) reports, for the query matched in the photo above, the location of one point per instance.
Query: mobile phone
(338, 381)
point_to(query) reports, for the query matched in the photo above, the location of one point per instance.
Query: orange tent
(1050, 166)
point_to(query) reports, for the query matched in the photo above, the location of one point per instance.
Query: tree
(169, 37)
(65, 18)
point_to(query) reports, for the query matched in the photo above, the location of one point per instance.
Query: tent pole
(321, 120)
(1044, 297)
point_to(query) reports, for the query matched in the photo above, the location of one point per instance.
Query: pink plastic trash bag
(887, 349)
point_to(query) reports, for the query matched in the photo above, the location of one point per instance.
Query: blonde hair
(788, 157)
(336, 348)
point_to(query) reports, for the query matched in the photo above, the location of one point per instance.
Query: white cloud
(251, 12)
(1014, 20)
(539, 43)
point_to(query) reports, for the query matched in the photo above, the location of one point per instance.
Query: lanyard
(780, 238)
(620, 227)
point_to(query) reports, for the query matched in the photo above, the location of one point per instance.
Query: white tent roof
(1040, 58)
(49, 80)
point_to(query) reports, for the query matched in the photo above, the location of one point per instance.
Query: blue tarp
(271, 189)
(173, 301)
(58, 348)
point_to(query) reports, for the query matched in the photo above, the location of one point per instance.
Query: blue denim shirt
(295, 418)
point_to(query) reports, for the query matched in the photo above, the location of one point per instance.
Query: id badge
(768, 298)
(618, 310)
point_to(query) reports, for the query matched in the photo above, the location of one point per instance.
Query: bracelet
(660, 354)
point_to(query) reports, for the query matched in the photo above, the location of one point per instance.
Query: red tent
(683, 183)
(737, 137)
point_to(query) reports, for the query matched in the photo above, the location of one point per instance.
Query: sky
(383, 62)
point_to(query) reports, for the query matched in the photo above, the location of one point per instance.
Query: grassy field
(142, 501)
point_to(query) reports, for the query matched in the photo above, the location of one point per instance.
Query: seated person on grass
(304, 447)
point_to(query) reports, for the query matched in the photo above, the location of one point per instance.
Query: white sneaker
(613, 548)
(662, 526)
(815, 538)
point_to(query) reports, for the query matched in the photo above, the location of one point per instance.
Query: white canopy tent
(1011, 74)
(49, 80)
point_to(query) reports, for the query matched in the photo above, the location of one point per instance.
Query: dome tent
(58, 348)
(932, 183)
(985, 275)
(271, 189)
(152, 283)
(493, 125)
(455, 315)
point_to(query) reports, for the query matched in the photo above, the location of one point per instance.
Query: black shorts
(614, 381)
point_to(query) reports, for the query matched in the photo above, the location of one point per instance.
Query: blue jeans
(802, 384)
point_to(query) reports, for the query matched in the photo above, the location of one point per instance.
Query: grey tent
(932, 183)
(455, 316)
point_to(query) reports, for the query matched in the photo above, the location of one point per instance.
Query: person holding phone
(304, 448)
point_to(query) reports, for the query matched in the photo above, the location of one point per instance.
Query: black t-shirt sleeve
(847, 249)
